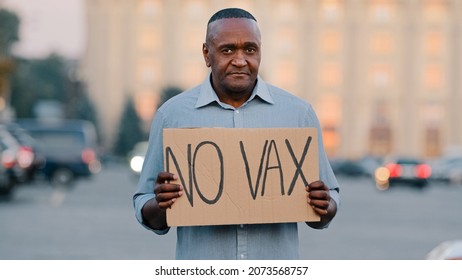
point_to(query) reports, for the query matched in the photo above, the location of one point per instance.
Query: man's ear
(205, 53)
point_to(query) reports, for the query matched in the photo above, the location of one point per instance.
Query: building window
(286, 74)
(380, 133)
(382, 11)
(149, 39)
(194, 72)
(150, 9)
(330, 109)
(381, 44)
(194, 9)
(380, 140)
(288, 41)
(381, 75)
(331, 10)
(433, 44)
(331, 42)
(432, 142)
(435, 10)
(432, 114)
(195, 36)
(145, 104)
(433, 76)
(287, 11)
(147, 73)
(331, 140)
(331, 75)
(330, 113)
(381, 113)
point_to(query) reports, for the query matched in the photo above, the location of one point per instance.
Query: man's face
(232, 50)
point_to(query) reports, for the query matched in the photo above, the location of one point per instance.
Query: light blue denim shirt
(268, 107)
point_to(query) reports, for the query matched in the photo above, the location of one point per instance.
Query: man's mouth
(238, 74)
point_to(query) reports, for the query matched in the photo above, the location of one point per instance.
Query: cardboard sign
(241, 176)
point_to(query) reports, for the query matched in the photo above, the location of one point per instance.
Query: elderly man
(233, 96)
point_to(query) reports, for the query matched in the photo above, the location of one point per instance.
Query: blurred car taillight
(395, 170)
(88, 156)
(25, 157)
(8, 159)
(90, 159)
(423, 171)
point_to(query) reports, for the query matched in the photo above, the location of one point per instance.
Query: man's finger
(164, 177)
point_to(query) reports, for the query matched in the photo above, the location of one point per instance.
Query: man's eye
(251, 50)
(226, 51)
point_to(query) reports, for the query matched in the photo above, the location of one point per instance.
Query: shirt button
(242, 256)
(242, 226)
(237, 111)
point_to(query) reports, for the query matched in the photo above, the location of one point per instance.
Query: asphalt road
(95, 220)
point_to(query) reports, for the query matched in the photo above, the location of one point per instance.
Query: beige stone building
(384, 75)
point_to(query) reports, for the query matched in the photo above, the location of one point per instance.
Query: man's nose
(239, 60)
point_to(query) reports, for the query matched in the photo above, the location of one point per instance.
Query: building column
(454, 114)
(351, 145)
(407, 139)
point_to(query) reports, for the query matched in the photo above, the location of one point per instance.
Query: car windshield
(407, 161)
(58, 141)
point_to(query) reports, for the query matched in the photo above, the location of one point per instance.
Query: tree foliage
(130, 129)
(49, 79)
(9, 30)
(168, 93)
(33, 81)
(36, 80)
(79, 105)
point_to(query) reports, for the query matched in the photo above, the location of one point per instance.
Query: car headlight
(136, 163)
(382, 174)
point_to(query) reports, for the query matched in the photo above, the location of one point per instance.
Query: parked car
(15, 161)
(364, 166)
(346, 167)
(29, 155)
(448, 169)
(69, 148)
(402, 170)
(7, 182)
(136, 157)
(13, 158)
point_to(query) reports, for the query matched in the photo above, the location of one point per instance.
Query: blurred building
(384, 75)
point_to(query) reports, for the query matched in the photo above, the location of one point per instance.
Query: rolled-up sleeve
(153, 164)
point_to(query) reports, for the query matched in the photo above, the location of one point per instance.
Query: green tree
(39, 79)
(79, 105)
(9, 26)
(9, 30)
(50, 79)
(168, 93)
(130, 129)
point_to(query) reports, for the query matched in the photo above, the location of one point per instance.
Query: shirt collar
(207, 95)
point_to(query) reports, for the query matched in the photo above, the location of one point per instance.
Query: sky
(49, 26)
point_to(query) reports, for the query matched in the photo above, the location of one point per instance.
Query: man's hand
(166, 191)
(318, 197)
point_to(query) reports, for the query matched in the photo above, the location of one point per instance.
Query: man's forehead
(232, 24)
